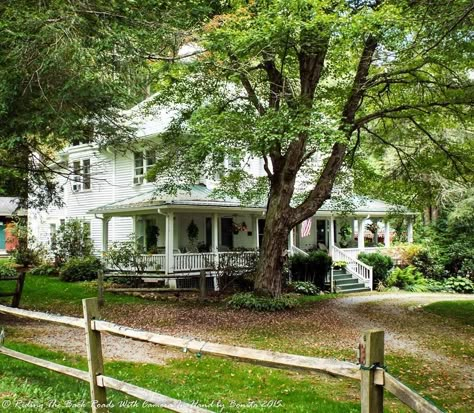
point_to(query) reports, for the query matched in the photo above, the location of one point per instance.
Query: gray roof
(198, 195)
(361, 205)
(201, 196)
(9, 207)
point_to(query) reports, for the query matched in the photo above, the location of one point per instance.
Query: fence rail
(373, 378)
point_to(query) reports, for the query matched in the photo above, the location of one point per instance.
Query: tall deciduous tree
(300, 84)
(68, 68)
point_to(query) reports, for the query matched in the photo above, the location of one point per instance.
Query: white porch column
(291, 241)
(257, 235)
(169, 242)
(360, 234)
(105, 234)
(410, 230)
(331, 235)
(386, 237)
(215, 237)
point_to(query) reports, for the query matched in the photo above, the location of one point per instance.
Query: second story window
(142, 162)
(81, 175)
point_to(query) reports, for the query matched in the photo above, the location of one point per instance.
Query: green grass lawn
(52, 294)
(209, 381)
(461, 311)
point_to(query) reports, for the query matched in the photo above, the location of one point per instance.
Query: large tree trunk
(275, 238)
(273, 255)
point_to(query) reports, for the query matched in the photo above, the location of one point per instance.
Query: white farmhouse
(109, 193)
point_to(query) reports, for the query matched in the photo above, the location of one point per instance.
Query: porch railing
(155, 262)
(354, 252)
(357, 268)
(296, 250)
(193, 261)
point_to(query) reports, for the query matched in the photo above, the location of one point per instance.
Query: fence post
(94, 356)
(19, 287)
(371, 355)
(100, 287)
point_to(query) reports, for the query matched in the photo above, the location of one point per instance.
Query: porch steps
(345, 283)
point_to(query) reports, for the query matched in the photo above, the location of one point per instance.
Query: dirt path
(72, 341)
(408, 328)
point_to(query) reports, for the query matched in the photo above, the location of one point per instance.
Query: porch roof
(361, 205)
(198, 196)
(9, 207)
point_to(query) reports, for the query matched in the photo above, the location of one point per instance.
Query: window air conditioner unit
(138, 180)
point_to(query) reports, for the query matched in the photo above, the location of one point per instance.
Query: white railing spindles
(357, 268)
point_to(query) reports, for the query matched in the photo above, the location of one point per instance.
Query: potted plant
(339, 265)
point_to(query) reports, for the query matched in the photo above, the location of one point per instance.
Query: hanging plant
(235, 228)
(193, 232)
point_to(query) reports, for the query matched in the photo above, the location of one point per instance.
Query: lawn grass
(51, 294)
(208, 381)
(461, 311)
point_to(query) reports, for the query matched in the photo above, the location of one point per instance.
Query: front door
(2, 236)
(321, 231)
(227, 236)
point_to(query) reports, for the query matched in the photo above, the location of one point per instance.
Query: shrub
(462, 285)
(381, 264)
(71, 240)
(46, 270)
(467, 268)
(409, 279)
(312, 267)
(7, 270)
(80, 269)
(303, 287)
(253, 302)
(27, 250)
(420, 257)
(127, 256)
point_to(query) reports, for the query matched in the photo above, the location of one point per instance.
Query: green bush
(46, 270)
(303, 287)
(6, 270)
(409, 279)
(72, 240)
(462, 285)
(80, 269)
(381, 264)
(312, 267)
(253, 302)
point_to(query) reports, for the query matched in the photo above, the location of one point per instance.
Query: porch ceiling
(199, 197)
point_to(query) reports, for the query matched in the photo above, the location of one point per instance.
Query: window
(143, 161)
(86, 174)
(81, 175)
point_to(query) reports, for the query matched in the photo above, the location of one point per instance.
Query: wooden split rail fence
(374, 379)
(20, 280)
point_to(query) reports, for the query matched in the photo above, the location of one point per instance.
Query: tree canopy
(68, 69)
(302, 85)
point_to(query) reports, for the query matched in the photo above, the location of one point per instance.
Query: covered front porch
(189, 233)
(185, 240)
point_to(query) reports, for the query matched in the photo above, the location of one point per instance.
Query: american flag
(306, 227)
